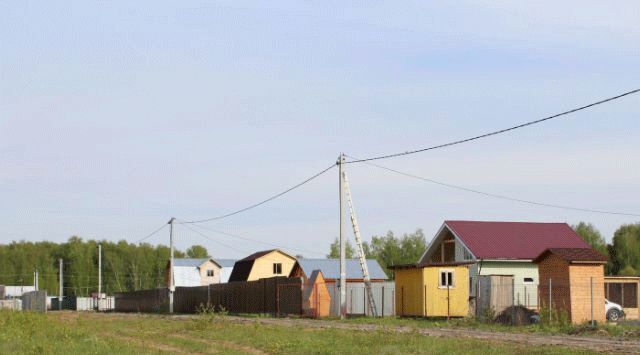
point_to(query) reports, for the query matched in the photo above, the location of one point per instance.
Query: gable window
(209, 273)
(277, 268)
(447, 279)
(527, 280)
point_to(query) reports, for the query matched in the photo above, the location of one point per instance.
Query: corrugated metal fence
(279, 295)
(357, 298)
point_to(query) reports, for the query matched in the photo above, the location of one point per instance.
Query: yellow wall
(412, 284)
(263, 266)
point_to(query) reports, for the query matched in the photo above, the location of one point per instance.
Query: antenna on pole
(343, 273)
(172, 286)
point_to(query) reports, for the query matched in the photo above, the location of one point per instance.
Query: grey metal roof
(187, 262)
(226, 262)
(331, 268)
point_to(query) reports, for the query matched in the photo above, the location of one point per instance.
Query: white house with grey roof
(189, 272)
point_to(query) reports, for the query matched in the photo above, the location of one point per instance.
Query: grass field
(75, 333)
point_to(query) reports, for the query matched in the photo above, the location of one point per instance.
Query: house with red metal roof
(502, 253)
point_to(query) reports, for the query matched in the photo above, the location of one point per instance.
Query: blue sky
(115, 116)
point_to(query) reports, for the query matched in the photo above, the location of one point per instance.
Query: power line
(151, 234)
(213, 240)
(258, 241)
(264, 201)
(489, 134)
(503, 197)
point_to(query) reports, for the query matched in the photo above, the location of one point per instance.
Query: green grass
(74, 333)
(616, 330)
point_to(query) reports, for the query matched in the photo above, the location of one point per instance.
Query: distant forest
(127, 266)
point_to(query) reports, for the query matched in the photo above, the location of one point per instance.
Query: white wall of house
(225, 272)
(186, 276)
(526, 293)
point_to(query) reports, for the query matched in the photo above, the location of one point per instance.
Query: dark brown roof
(574, 255)
(241, 270)
(257, 255)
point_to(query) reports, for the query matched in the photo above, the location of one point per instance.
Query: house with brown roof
(502, 253)
(263, 264)
(574, 280)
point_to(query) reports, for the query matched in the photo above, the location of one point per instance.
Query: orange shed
(572, 279)
(316, 298)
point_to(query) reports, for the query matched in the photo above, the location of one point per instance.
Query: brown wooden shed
(573, 278)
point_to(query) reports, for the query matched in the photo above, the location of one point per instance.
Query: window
(209, 273)
(528, 280)
(277, 268)
(446, 279)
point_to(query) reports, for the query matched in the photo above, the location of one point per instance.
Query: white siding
(524, 293)
(225, 272)
(186, 276)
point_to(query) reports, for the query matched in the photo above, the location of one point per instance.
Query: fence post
(513, 301)
(351, 305)
(277, 300)
(550, 301)
(592, 323)
(364, 302)
(382, 301)
(526, 304)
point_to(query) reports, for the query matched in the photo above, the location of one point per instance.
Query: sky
(116, 116)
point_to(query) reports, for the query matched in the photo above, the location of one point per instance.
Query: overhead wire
(151, 234)
(256, 241)
(503, 197)
(263, 201)
(493, 133)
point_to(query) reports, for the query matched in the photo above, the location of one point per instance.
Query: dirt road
(595, 343)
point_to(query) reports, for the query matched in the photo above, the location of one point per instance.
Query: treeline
(387, 249)
(125, 266)
(623, 251)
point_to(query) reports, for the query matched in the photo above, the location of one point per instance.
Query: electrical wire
(151, 234)
(263, 201)
(503, 197)
(257, 241)
(213, 240)
(489, 134)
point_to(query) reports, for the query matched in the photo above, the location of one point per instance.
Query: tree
(626, 248)
(592, 236)
(197, 252)
(389, 250)
(334, 250)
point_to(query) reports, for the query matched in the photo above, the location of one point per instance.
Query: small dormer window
(209, 273)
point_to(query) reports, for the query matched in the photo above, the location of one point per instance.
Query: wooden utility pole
(172, 286)
(343, 272)
(60, 294)
(99, 271)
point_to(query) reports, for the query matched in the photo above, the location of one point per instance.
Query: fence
(279, 295)
(34, 301)
(147, 301)
(358, 301)
(13, 304)
(575, 300)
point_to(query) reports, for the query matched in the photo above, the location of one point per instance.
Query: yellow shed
(432, 290)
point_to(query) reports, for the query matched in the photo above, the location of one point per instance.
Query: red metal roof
(514, 240)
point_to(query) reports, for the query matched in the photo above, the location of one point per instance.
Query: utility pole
(99, 271)
(60, 295)
(172, 286)
(343, 274)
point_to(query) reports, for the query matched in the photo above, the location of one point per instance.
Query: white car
(614, 311)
